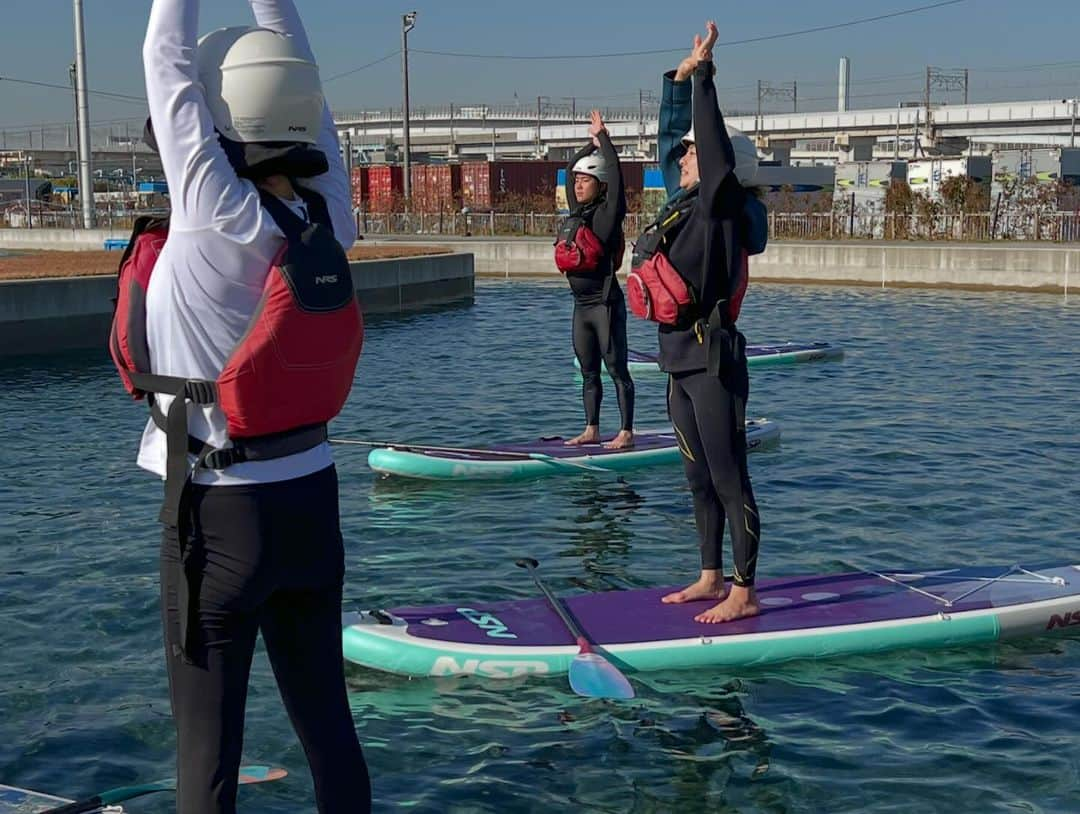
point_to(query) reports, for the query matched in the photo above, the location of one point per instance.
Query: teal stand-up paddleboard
(546, 456)
(757, 356)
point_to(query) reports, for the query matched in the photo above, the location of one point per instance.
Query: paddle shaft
(248, 774)
(575, 631)
(524, 456)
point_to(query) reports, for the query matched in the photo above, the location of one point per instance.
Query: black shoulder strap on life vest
(318, 211)
(661, 232)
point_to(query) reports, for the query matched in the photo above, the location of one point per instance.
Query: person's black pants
(266, 558)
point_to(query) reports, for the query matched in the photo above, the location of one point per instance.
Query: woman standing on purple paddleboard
(698, 248)
(589, 250)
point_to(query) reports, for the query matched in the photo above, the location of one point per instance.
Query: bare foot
(590, 436)
(707, 587)
(739, 603)
(624, 440)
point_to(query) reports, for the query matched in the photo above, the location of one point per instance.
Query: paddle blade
(260, 774)
(594, 676)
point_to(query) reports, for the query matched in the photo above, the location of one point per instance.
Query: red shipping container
(633, 173)
(487, 184)
(435, 187)
(361, 191)
(386, 184)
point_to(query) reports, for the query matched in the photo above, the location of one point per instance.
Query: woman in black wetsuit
(705, 355)
(594, 191)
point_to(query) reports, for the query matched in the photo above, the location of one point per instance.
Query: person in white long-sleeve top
(247, 144)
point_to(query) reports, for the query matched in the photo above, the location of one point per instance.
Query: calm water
(947, 437)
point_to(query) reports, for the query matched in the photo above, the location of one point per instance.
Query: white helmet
(260, 86)
(594, 165)
(746, 157)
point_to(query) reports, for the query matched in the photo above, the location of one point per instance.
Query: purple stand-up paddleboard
(801, 617)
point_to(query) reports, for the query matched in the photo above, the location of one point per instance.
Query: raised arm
(203, 186)
(334, 185)
(610, 213)
(715, 155)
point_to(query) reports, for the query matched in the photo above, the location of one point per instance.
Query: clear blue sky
(888, 57)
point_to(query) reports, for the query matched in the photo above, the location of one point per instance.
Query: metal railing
(1053, 227)
(1056, 227)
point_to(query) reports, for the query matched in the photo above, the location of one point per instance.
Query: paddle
(590, 673)
(248, 774)
(534, 456)
(425, 448)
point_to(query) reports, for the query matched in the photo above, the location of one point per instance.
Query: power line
(746, 41)
(371, 64)
(119, 97)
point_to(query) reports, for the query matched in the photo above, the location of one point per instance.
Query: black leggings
(271, 559)
(600, 335)
(708, 413)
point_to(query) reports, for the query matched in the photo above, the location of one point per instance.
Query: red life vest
(654, 287)
(292, 370)
(577, 248)
(658, 292)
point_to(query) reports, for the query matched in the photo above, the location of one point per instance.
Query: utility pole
(453, 147)
(1072, 125)
(349, 166)
(29, 200)
(644, 97)
(408, 23)
(942, 79)
(539, 111)
(641, 119)
(86, 180)
(767, 90)
(896, 154)
(757, 119)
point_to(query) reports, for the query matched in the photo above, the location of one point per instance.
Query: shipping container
(361, 191)
(794, 188)
(489, 185)
(926, 177)
(436, 187)
(386, 187)
(866, 183)
(633, 173)
(1046, 166)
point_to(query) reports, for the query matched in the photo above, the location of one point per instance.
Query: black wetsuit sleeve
(715, 155)
(675, 120)
(609, 214)
(571, 198)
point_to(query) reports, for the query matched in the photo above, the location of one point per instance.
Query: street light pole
(408, 23)
(86, 181)
(1072, 125)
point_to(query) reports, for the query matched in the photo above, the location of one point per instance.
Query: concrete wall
(47, 316)
(1018, 266)
(68, 240)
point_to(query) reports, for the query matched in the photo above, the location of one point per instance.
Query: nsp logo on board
(1068, 620)
(487, 623)
(491, 668)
